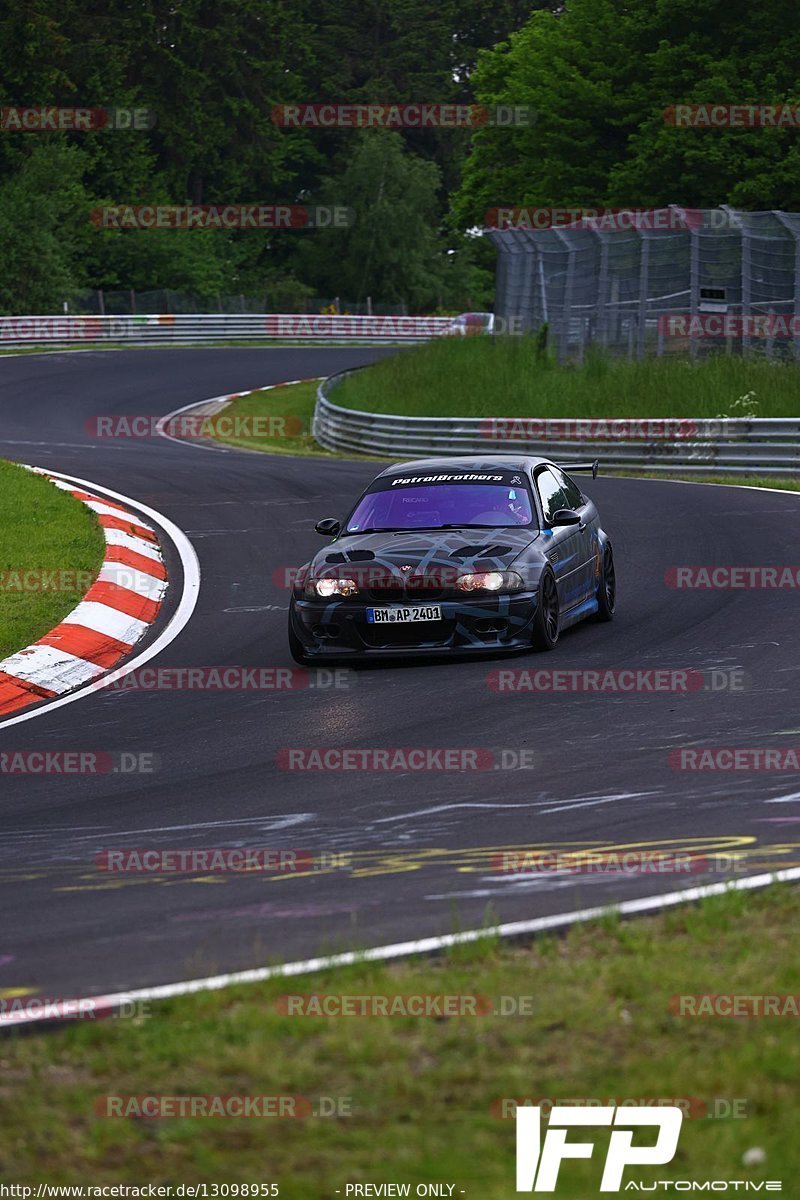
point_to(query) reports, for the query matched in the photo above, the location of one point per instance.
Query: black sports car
(447, 555)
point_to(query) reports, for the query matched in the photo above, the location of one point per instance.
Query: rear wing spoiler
(571, 468)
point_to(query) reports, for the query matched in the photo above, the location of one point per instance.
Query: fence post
(746, 272)
(644, 282)
(694, 286)
(566, 308)
(543, 289)
(531, 277)
(747, 285)
(602, 290)
(769, 342)
(782, 217)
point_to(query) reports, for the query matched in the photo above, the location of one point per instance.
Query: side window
(550, 493)
(572, 493)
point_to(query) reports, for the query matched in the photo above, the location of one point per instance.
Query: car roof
(464, 462)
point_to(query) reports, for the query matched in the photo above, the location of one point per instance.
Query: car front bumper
(339, 628)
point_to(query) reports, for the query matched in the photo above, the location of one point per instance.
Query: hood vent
(351, 556)
(481, 551)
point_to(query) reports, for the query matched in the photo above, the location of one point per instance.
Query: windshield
(441, 505)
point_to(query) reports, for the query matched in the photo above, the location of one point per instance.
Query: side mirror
(328, 527)
(566, 516)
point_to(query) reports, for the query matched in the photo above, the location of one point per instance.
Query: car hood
(424, 550)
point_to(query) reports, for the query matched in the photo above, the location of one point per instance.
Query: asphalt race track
(418, 850)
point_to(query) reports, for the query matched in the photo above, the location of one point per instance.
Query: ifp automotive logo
(538, 1163)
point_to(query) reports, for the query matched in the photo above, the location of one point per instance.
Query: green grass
(760, 481)
(237, 343)
(41, 529)
(475, 377)
(298, 400)
(294, 402)
(422, 1089)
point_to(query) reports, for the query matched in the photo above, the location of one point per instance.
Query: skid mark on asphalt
(439, 808)
(593, 801)
(258, 608)
(557, 805)
(201, 533)
(49, 445)
(268, 909)
(67, 840)
(552, 884)
(254, 503)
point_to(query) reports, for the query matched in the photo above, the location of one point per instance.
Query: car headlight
(332, 587)
(490, 581)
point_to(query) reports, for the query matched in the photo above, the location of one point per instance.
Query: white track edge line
(429, 945)
(743, 487)
(180, 618)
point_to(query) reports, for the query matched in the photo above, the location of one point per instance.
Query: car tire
(607, 590)
(545, 623)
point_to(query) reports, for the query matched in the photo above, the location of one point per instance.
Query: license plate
(404, 616)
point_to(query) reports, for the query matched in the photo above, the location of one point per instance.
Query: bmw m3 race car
(455, 555)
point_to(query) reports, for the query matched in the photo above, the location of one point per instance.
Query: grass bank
(417, 1099)
(276, 421)
(296, 401)
(476, 377)
(51, 549)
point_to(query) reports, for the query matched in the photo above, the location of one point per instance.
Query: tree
(394, 251)
(600, 75)
(44, 230)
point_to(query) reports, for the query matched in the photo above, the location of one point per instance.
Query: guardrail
(164, 328)
(769, 445)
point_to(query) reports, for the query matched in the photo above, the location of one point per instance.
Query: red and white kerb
(113, 616)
